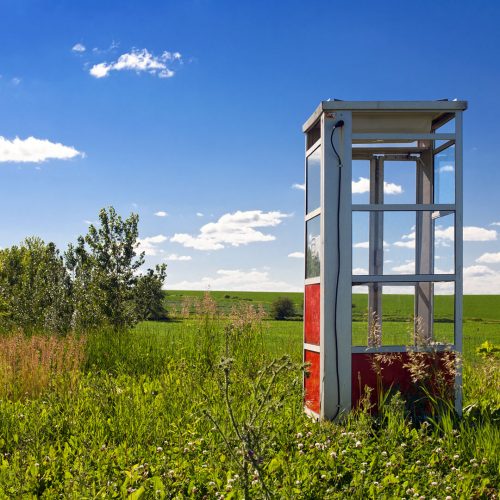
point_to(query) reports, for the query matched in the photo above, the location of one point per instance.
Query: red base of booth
(394, 377)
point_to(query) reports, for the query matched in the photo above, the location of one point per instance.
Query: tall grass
(30, 365)
(208, 412)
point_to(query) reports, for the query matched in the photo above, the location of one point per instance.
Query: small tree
(35, 288)
(104, 265)
(149, 297)
(282, 308)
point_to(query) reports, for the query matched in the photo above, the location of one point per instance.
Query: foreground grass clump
(30, 365)
(214, 410)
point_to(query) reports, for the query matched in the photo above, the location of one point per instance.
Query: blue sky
(207, 126)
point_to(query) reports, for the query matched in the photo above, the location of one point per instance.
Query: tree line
(96, 282)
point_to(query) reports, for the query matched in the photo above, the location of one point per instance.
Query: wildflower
(343, 452)
(456, 457)
(333, 454)
(384, 453)
(362, 471)
(375, 483)
(299, 435)
(255, 482)
(434, 483)
(472, 460)
(323, 476)
(159, 449)
(211, 483)
(300, 446)
(438, 450)
(358, 444)
(388, 464)
(448, 498)
(297, 482)
(409, 491)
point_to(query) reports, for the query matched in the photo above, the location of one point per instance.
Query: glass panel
(361, 181)
(313, 247)
(360, 234)
(444, 313)
(399, 242)
(400, 313)
(444, 176)
(313, 180)
(400, 182)
(398, 310)
(359, 315)
(444, 238)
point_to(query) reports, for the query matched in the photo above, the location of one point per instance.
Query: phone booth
(383, 244)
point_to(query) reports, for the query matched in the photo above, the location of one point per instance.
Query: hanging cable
(338, 124)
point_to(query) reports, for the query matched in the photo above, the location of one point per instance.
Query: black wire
(340, 123)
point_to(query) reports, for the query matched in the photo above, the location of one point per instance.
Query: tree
(149, 296)
(104, 266)
(282, 308)
(35, 288)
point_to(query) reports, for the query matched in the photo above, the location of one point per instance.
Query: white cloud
(447, 168)
(237, 280)
(15, 80)
(32, 150)
(359, 270)
(472, 233)
(161, 213)
(405, 244)
(233, 229)
(489, 258)
(200, 214)
(362, 185)
(481, 279)
(477, 271)
(362, 244)
(139, 61)
(79, 47)
(407, 268)
(366, 244)
(296, 255)
(180, 258)
(149, 245)
(301, 187)
(495, 224)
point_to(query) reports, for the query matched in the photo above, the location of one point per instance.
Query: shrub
(282, 308)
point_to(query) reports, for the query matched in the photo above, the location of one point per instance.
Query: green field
(475, 307)
(212, 407)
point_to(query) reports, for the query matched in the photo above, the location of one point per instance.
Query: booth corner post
(421, 139)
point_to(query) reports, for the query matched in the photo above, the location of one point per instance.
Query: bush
(282, 308)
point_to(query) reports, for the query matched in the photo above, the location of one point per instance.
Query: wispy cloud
(180, 258)
(301, 187)
(140, 61)
(79, 48)
(446, 235)
(149, 245)
(33, 150)
(237, 280)
(495, 224)
(489, 258)
(362, 185)
(161, 213)
(200, 214)
(296, 255)
(232, 229)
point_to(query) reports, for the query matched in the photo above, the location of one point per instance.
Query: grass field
(210, 407)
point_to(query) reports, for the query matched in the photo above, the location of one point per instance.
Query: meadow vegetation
(99, 401)
(210, 406)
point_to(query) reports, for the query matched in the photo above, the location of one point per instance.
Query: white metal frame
(335, 266)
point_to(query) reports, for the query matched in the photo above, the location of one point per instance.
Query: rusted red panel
(394, 376)
(311, 381)
(312, 314)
